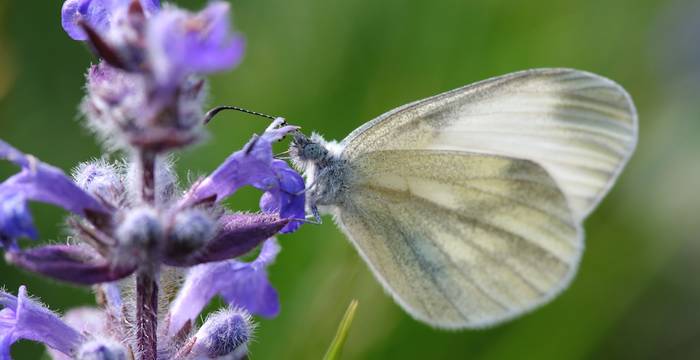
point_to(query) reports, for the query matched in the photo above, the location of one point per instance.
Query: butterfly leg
(316, 214)
(308, 188)
(314, 217)
(310, 220)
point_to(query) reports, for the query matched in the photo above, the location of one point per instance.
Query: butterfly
(468, 206)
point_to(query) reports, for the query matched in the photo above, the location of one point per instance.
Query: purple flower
(254, 165)
(147, 88)
(39, 182)
(98, 14)
(285, 195)
(22, 318)
(112, 300)
(15, 219)
(168, 45)
(241, 284)
(192, 237)
(42, 182)
(181, 43)
(237, 235)
(73, 263)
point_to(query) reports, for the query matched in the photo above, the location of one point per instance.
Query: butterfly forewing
(580, 127)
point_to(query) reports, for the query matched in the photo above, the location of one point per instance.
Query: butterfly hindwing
(461, 240)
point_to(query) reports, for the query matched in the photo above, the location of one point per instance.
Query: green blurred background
(332, 65)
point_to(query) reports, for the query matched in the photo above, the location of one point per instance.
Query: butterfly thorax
(323, 167)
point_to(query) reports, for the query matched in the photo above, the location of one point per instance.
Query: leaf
(341, 335)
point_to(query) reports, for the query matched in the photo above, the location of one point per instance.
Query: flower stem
(146, 276)
(146, 315)
(148, 168)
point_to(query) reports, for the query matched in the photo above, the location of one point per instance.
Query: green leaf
(341, 335)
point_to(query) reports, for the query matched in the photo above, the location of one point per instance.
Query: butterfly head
(307, 151)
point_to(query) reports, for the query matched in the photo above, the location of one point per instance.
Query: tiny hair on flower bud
(100, 179)
(225, 334)
(137, 234)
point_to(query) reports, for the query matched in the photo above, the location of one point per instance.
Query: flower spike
(131, 222)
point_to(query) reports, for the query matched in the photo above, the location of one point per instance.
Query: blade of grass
(336, 347)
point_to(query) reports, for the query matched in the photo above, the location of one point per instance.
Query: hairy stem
(148, 168)
(146, 276)
(146, 315)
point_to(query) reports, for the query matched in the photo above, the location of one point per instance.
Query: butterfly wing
(580, 127)
(461, 240)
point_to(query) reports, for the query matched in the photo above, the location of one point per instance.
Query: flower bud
(125, 110)
(138, 234)
(224, 335)
(114, 101)
(100, 179)
(190, 230)
(103, 349)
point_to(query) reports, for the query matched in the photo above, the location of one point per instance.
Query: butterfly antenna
(211, 113)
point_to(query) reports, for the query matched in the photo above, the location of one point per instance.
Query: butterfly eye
(313, 151)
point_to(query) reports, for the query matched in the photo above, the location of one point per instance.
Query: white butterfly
(468, 206)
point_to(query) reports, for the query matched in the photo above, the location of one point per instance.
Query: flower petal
(7, 323)
(287, 197)
(242, 284)
(182, 43)
(69, 263)
(97, 13)
(74, 11)
(238, 234)
(42, 182)
(150, 6)
(113, 300)
(15, 219)
(253, 165)
(249, 288)
(35, 322)
(6, 341)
